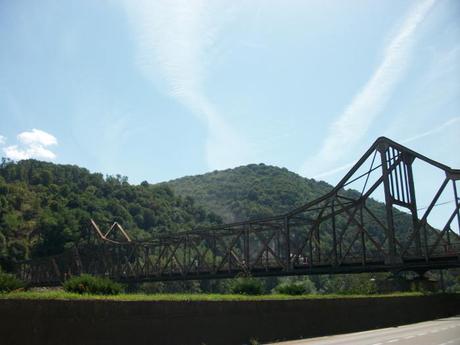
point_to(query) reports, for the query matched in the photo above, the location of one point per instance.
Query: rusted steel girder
(336, 233)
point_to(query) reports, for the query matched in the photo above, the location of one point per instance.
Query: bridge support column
(246, 248)
(390, 229)
(408, 160)
(288, 243)
(334, 235)
(457, 199)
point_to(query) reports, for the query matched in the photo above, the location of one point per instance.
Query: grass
(62, 295)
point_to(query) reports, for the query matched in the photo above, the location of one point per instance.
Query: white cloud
(442, 127)
(2, 139)
(173, 39)
(39, 152)
(358, 116)
(37, 137)
(32, 144)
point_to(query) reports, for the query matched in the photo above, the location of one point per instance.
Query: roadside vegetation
(63, 295)
(295, 287)
(87, 284)
(237, 289)
(8, 282)
(246, 286)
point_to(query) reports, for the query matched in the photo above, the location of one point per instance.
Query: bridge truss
(344, 231)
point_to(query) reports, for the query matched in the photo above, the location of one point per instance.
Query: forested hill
(259, 190)
(46, 207)
(251, 191)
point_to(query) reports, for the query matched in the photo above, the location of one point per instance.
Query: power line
(438, 204)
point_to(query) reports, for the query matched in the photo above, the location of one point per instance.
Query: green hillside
(250, 191)
(259, 190)
(45, 207)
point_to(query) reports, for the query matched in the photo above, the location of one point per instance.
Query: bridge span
(344, 231)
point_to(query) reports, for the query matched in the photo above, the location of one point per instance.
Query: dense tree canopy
(45, 207)
(250, 191)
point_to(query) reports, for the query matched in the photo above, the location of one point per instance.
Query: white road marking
(449, 342)
(424, 328)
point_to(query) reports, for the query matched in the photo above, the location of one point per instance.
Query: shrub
(9, 282)
(88, 284)
(291, 288)
(299, 287)
(352, 284)
(187, 286)
(246, 286)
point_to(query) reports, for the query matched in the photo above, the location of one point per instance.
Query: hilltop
(251, 191)
(259, 190)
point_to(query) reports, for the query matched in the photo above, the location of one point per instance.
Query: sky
(156, 90)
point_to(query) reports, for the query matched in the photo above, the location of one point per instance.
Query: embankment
(88, 322)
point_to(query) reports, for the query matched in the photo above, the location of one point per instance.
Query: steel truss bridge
(344, 231)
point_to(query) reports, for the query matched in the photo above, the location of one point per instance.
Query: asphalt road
(438, 332)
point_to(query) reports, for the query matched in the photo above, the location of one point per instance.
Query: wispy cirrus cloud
(33, 144)
(173, 39)
(438, 129)
(358, 116)
(2, 139)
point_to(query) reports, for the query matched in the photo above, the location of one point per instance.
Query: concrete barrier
(87, 322)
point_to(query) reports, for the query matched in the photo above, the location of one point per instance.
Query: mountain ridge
(46, 207)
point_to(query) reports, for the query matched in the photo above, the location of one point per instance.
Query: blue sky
(156, 90)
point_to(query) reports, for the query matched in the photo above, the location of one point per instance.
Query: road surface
(438, 332)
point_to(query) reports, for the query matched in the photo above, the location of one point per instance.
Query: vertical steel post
(278, 243)
(391, 258)
(413, 204)
(287, 233)
(457, 202)
(246, 246)
(186, 252)
(334, 234)
(363, 241)
(318, 242)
